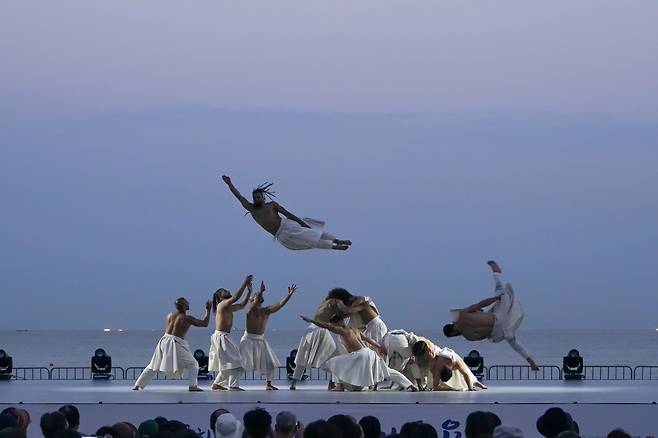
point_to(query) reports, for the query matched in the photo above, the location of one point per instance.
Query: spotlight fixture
(202, 360)
(475, 363)
(572, 365)
(6, 365)
(101, 365)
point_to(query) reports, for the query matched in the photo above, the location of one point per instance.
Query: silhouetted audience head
(507, 432)
(257, 423)
(347, 426)
(554, 421)
(69, 433)
(568, 434)
(285, 423)
(12, 432)
(72, 416)
(106, 432)
(227, 426)
(481, 424)
(618, 433)
(8, 421)
(320, 429)
(125, 430)
(424, 431)
(148, 429)
(371, 427)
(53, 423)
(407, 429)
(214, 416)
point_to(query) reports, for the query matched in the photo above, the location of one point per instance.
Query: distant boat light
(120, 330)
(107, 330)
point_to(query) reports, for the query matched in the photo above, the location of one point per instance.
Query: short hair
(339, 293)
(173, 426)
(162, 421)
(618, 433)
(419, 348)
(568, 434)
(286, 422)
(125, 430)
(69, 433)
(107, 430)
(446, 374)
(179, 301)
(8, 420)
(479, 423)
(320, 429)
(424, 431)
(214, 416)
(371, 426)
(72, 415)
(449, 330)
(53, 423)
(338, 317)
(257, 423)
(408, 428)
(347, 426)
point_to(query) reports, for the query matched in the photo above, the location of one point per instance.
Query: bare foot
(412, 388)
(337, 389)
(236, 388)
(216, 387)
(293, 387)
(340, 247)
(270, 387)
(331, 385)
(136, 388)
(195, 389)
(494, 266)
(343, 242)
(480, 385)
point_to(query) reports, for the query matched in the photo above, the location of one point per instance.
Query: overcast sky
(434, 135)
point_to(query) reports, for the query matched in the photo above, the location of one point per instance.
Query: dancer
(291, 231)
(224, 355)
(439, 363)
(499, 323)
(399, 354)
(363, 314)
(361, 366)
(256, 353)
(172, 354)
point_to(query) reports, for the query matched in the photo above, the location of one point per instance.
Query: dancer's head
(182, 305)
(339, 319)
(341, 294)
(261, 193)
(450, 331)
(218, 296)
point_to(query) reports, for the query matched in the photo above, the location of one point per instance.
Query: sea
(128, 348)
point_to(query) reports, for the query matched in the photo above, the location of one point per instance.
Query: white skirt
(171, 356)
(508, 315)
(315, 348)
(376, 329)
(359, 368)
(293, 236)
(223, 354)
(256, 353)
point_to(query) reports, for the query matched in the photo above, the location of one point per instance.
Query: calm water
(135, 347)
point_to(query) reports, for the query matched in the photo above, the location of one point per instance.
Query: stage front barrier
(523, 372)
(645, 372)
(31, 373)
(608, 372)
(132, 373)
(81, 373)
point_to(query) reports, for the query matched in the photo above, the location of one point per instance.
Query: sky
(434, 135)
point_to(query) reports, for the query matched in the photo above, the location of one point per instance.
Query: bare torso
(224, 317)
(475, 326)
(267, 217)
(351, 338)
(368, 313)
(328, 308)
(257, 320)
(178, 324)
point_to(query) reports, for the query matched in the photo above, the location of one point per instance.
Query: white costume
(257, 354)
(172, 355)
(316, 347)
(375, 329)
(508, 315)
(224, 357)
(399, 345)
(364, 368)
(293, 236)
(457, 381)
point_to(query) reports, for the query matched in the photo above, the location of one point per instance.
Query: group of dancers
(347, 336)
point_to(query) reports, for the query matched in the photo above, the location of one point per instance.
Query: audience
(481, 424)
(285, 425)
(53, 423)
(148, 429)
(346, 426)
(424, 430)
(227, 426)
(257, 424)
(214, 416)
(320, 429)
(371, 427)
(555, 421)
(618, 433)
(72, 416)
(507, 432)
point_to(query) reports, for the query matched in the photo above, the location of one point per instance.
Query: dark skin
(266, 214)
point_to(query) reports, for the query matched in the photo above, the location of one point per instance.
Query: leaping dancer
(499, 323)
(291, 231)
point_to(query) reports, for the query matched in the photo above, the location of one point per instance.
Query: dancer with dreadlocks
(291, 231)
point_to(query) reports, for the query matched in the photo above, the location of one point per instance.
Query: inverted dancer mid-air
(291, 231)
(499, 323)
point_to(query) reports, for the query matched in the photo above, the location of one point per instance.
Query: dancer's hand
(304, 224)
(292, 289)
(494, 266)
(208, 305)
(226, 179)
(262, 287)
(306, 319)
(248, 279)
(533, 365)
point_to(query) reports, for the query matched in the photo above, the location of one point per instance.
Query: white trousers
(148, 374)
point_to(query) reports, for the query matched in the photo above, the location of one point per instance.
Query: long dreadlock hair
(265, 189)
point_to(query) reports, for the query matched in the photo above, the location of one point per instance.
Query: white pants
(148, 374)
(232, 376)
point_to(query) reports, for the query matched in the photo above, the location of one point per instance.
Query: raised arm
(201, 322)
(292, 217)
(482, 304)
(374, 345)
(246, 204)
(276, 307)
(245, 301)
(327, 325)
(247, 282)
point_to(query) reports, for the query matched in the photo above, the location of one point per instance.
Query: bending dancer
(361, 366)
(499, 323)
(439, 364)
(172, 354)
(254, 349)
(291, 231)
(224, 355)
(399, 354)
(363, 314)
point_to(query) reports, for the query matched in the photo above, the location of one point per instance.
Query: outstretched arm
(482, 304)
(247, 282)
(246, 204)
(245, 301)
(374, 345)
(201, 322)
(276, 307)
(327, 325)
(290, 216)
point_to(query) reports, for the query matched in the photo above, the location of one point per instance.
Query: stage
(598, 406)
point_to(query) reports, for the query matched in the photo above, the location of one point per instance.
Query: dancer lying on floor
(437, 365)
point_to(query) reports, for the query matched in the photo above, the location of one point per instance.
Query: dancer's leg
(234, 379)
(398, 377)
(144, 379)
(270, 375)
(222, 376)
(193, 370)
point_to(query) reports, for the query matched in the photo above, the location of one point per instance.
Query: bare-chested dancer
(499, 323)
(361, 366)
(364, 314)
(172, 354)
(224, 355)
(439, 364)
(255, 351)
(291, 231)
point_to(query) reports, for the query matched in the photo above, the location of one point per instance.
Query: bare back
(352, 339)
(224, 316)
(178, 324)
(363, 317)
(328, 308)
(257, 320)
(475, 326)
(267, 217)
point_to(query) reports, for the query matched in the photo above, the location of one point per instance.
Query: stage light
(572, 366)
(202, 360)
(101, 365)
(475, 363)
(6, 365)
